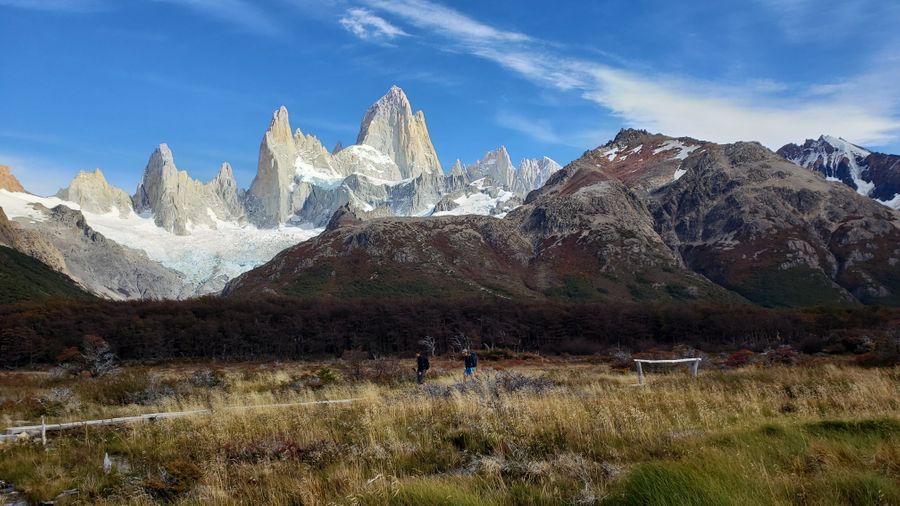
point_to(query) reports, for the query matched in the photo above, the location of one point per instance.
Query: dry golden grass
(536, 433)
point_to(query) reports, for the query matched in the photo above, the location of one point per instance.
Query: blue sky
(99, 83)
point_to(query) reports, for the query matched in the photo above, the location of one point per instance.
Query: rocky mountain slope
(61, 239)
(642, 217)
(875, 175)
(24, 278)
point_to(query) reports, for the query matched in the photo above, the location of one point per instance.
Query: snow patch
(611, 154)
(678, 174)
(307, 173)
(683, 150)
(894, 203)
(477, 203)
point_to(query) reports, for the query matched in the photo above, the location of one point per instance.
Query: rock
(390, 127)
(8, 181)
(495, 165)
(532, 174)
(92, 192)
(179, 202)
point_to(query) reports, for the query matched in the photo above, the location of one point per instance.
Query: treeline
(277, 328)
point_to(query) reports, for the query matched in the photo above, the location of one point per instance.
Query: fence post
(695, 366)
(640, 373)
(43, 432)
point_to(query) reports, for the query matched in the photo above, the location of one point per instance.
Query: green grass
(23, 278)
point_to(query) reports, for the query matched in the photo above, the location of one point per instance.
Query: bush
(739, 358)
(207, 378)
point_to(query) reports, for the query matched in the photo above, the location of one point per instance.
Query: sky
(100, 83)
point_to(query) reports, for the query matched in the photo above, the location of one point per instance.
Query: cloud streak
(367, 26)
(770, 112)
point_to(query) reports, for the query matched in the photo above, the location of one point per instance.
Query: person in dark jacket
(422, 365)
(470, 360)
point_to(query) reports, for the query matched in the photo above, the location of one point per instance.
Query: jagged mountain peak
(630, 135)
(395, 97)
(93, 193)
(161, 157)
(280, 127)
(390, 127)
(225, 172)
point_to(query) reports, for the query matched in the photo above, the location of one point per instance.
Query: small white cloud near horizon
(368, 26)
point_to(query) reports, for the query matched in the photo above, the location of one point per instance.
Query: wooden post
(640, 372)
(694, 367)
(43, 431)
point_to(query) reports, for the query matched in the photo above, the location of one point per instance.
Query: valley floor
(528, 431)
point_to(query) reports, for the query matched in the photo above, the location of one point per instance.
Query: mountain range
(643, 217)
(179, 237)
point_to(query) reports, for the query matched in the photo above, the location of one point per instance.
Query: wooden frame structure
(695, 365)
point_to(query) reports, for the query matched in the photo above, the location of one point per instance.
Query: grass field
(528, 431)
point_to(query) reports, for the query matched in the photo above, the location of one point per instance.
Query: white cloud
(860, 109)
(426, 14)
(365, 25)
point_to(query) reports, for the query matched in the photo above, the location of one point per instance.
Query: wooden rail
(12, 433)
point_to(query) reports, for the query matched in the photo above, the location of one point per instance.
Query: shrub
(739, 358)
(207, 378)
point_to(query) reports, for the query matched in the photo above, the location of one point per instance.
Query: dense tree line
(290, 329)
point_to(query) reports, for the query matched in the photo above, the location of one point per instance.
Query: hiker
(470, 360)
(422, 365)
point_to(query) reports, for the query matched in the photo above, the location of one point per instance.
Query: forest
(288, 329)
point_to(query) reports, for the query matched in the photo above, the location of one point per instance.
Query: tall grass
(580, 434)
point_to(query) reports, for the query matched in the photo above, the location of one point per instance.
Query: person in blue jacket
(470, 360)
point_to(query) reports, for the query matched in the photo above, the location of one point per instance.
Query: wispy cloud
(368, 26)
(770, 112)
(240, 13)
(56, 5)
(426, 14)
(543, 131)
(536, 129)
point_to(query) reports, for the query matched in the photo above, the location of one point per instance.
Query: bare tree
(460, 342)
(429, 343)
(97, 355)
